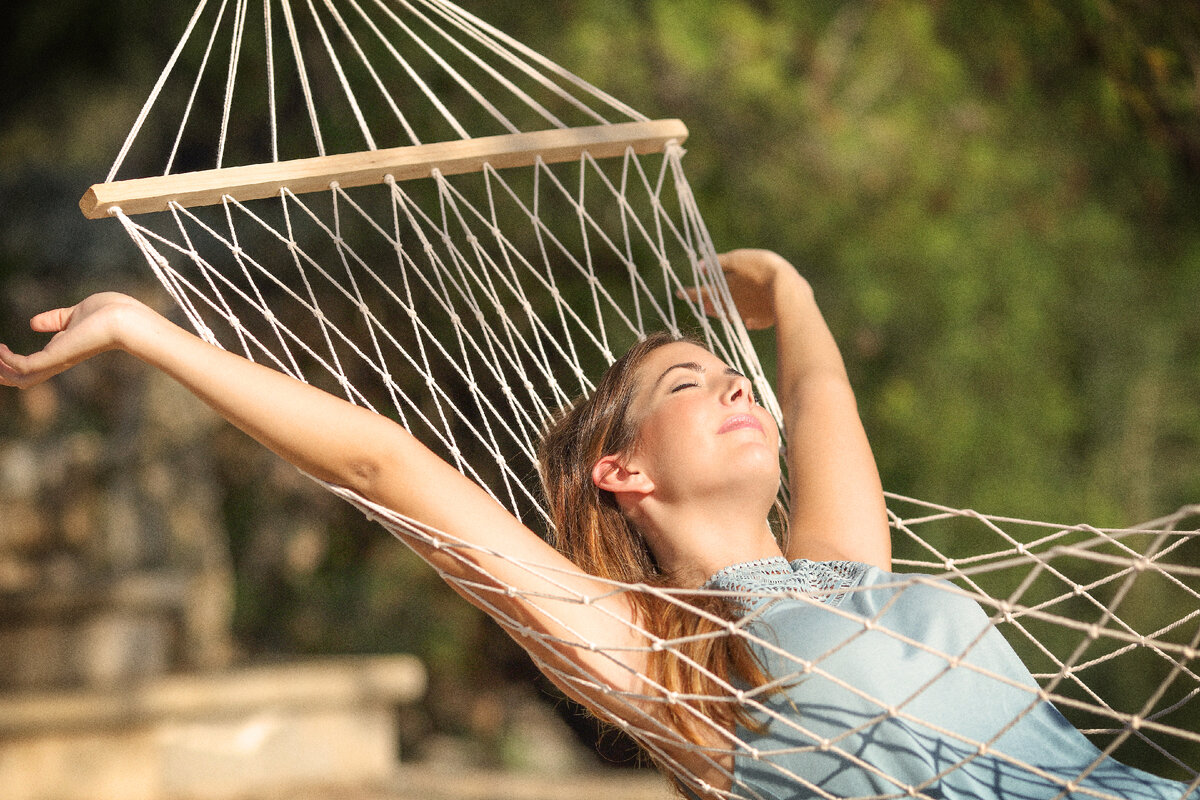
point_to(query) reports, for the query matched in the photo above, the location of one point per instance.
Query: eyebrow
(691, 366)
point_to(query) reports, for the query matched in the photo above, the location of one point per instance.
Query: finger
(696, 295)
(25, 371)
(8, 359)
(723, 264)
(24, 378)
(702, 296)
(51, 321)
(728, 261)
(12, 372)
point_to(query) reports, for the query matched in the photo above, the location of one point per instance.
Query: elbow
(361, 476)
(388, 469)
(367, 470)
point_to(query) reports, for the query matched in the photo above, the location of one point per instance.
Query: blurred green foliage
(996, 203)
(997, 208)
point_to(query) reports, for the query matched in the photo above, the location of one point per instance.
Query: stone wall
(114, 566)
(116, 603)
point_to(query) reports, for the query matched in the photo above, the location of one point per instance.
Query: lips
(739, 421)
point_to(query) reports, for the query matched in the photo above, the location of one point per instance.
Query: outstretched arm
(326, 437)
(837, 504)
(357, 449)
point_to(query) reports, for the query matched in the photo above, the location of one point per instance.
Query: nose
(738, 390)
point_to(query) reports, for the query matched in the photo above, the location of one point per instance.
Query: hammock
(401, 204)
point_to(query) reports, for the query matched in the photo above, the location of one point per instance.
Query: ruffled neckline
(762, 573)
(764, 580)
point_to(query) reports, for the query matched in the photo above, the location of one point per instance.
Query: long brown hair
(591, 530)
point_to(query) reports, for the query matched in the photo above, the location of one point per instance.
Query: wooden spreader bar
(255, 181)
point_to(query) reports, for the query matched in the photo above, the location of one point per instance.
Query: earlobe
(611, 475)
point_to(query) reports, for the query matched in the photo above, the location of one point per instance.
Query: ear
(612, 475)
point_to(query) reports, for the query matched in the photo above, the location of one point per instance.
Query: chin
(755, 478)
(760, 465)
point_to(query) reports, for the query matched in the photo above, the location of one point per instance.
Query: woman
(666, 476)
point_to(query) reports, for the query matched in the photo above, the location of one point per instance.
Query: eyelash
(683, 386)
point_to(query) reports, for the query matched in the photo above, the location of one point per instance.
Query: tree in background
(997, 205)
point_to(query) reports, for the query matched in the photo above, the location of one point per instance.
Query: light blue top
(894, 715)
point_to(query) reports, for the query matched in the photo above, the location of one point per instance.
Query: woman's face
(699, 429)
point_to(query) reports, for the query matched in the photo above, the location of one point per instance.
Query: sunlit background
(997, 205)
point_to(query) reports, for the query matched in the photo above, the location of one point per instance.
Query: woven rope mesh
(470, 308)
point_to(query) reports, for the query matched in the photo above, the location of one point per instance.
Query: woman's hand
(754, 278)
(80, 332)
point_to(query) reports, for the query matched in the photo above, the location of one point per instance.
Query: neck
(693, 546)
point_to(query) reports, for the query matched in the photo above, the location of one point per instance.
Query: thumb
(51, 321)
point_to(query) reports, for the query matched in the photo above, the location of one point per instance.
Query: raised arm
(357, 449)
(837, 504)
(323, 435)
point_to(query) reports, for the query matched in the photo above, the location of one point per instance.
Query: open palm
(80, 332)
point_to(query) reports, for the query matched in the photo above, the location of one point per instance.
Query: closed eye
(682, 386)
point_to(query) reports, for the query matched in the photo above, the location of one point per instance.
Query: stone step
(232, 734)
(441, 782)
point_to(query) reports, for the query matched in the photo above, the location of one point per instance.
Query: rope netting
(471, 307)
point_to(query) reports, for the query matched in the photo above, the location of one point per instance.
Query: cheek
(773, 430)
(666, 434)
(656, 439)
